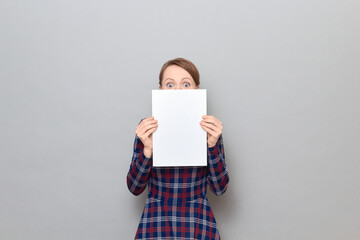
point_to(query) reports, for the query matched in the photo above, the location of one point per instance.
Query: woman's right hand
(144, 131)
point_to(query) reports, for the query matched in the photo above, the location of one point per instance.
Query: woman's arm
(139, 172)
(218, 177)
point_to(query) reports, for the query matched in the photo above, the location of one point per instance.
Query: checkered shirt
(177, 207)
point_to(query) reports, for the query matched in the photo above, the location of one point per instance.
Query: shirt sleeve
(139, 172)
(218, 176)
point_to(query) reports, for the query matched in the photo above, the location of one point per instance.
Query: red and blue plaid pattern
(177, 206)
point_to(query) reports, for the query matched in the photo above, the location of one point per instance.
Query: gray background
(282, 76)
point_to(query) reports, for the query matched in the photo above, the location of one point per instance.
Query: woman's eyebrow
(169, 79)
(185, 78)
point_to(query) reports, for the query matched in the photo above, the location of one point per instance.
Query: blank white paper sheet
(179, 139)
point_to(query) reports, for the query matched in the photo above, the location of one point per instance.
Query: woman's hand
(144, 131)
(213, 128)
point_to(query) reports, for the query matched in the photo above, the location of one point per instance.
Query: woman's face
(175, 77)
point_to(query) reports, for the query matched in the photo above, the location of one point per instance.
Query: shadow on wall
(140, 201)
(224, 207)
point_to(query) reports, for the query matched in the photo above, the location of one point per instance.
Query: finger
(150, 122)
(211, 119)
(209, 116)
(209, 130)
(215, 126)
(148, 119)
(209, 125)
(148, 127)
(144, 122)
(217, 130)
(212, 123)
(140, 130)
(151, 130)
(148, 134)
(143, 127)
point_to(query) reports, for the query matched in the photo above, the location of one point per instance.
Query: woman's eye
(170, 85)
(187, 84)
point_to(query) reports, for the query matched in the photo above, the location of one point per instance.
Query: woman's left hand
(213, 128)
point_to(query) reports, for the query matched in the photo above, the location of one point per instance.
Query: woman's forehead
(176, 72)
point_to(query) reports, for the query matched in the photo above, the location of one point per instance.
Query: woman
(177, 206)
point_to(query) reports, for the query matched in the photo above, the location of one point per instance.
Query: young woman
(177, 206)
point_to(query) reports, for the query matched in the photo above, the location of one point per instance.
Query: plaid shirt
(177, 207)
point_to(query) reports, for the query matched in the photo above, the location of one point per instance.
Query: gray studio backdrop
(282, 76)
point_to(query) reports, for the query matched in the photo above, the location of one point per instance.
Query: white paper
(179, 139)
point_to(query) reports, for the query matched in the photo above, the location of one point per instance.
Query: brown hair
(184, 64)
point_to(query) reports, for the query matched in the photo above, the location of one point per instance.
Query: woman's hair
(184, 64)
